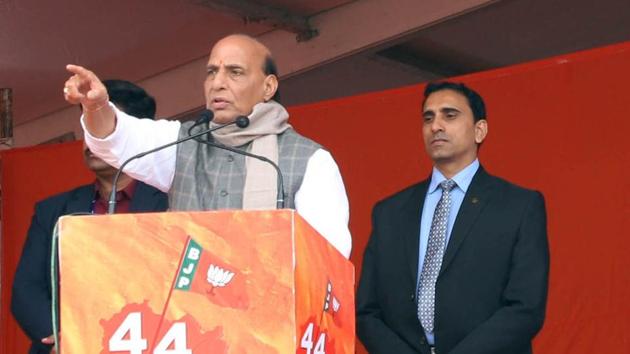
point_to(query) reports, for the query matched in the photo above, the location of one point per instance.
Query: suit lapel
(476, 198)
(410, 226)
(81, 200)
(143, 198)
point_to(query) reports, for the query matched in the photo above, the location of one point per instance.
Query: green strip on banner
(189, 266)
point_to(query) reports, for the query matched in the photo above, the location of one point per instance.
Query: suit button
(223, 193)
(230, 158)
(413, 297)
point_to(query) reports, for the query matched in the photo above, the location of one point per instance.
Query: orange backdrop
(558, 125)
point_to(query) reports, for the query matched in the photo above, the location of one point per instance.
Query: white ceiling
(137, 39)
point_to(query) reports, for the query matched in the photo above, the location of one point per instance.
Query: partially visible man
(458, 263)
(31, 301)
(241, 80)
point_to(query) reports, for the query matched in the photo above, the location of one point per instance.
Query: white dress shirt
(321, 199)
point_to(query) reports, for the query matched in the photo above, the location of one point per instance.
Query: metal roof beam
(276, 17)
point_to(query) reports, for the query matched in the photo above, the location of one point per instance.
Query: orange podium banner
(202, 282)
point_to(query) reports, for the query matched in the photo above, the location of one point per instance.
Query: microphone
(204, 117)
(280, 181)
(206, 114)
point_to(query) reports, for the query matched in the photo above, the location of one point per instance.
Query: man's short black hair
(475, 101)
(130, 98)
(270, 68)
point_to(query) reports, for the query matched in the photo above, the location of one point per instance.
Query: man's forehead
(226, 63)
(237, 49)
(445, 99)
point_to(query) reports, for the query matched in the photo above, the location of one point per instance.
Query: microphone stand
(112, 195)
(280, 181)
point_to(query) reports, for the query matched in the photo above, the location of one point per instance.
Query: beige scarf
(266, 121)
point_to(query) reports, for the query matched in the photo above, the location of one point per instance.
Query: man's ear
(270, 87)
(481, 130)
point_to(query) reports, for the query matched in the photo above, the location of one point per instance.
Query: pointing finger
(84, 87)
(81, 72)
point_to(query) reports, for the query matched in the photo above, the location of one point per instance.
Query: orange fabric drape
(28, 175)
(558, 125)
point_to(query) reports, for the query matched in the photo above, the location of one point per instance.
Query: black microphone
(239, 122)
(204, 117)
(244, 122)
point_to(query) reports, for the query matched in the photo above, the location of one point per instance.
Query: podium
(200, 283)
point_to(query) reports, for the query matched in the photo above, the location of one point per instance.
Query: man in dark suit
(458, 263)
(31, 301)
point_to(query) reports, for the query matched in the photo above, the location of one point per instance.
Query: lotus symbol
(218, 277)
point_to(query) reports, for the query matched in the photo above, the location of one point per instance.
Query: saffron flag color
(202, 282)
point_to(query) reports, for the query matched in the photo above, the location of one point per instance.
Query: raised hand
(86, 88)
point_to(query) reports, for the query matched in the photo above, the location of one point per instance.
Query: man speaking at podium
(241, 80)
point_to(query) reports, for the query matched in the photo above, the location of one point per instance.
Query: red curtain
(558, 125)
(28, 175)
